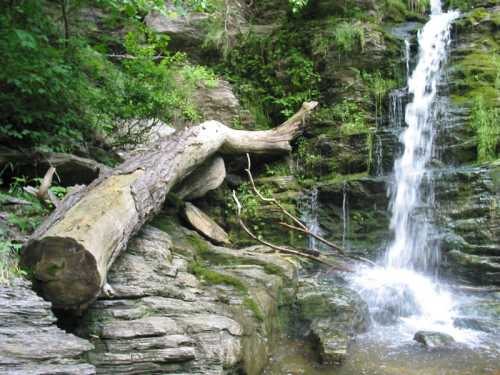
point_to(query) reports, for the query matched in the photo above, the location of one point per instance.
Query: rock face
(468, 195)
(335, 315)
(220, 103)
(161, 318)
(185, 31)
(434, 340)
(199, 33)
(30, 342)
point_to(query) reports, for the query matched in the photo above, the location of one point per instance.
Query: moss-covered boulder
(334, 314)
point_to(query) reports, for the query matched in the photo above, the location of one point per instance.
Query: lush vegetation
(273, 75)
(64, 87)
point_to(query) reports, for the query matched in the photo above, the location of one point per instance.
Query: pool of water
(375, 353)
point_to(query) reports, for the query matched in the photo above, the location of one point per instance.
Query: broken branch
(300, 227)
(316, 258)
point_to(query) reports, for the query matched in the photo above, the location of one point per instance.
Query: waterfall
(379, 156)
(396, 109)
(403, 290)
(409, 248)
(310, 217)
(407, 58)
(345, 216)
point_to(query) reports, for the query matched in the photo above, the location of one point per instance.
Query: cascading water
(404, 289)
(345, 217)
(310, 217)
(407, 58)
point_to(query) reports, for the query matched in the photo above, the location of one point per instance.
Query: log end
(64, 272)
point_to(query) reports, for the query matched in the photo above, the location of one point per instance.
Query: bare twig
(43, 192)
(269, 200)
(300, 227)
(285, 250)
(328, 243)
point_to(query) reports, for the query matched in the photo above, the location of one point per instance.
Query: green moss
(272, 269)
(250, 304)
(338, 179)
(205, 254)
(215, 278)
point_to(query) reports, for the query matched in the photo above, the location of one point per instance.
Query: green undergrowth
(274, 73)
(64, 89)
(476, 83)
(20, 221)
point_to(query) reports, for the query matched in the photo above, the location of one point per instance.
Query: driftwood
(203, 224)
(71, 252)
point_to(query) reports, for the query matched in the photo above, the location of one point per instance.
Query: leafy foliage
(348, 36)
(379, 88)
(20, 220)
(273, 73)
(297, 5)
(342, 36)
(60, 91)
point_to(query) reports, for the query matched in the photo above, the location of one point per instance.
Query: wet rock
(434, 340)
(478, 324)
(335, 315)
(193, 32)
(204, 224)
(30, 342)
(358, 207)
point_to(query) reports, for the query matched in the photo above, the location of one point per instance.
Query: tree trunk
(72, 251)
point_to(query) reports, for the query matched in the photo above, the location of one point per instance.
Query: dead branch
(6, 201)
(43, 193)
(300, 227)
(317, 258)
(328, 243)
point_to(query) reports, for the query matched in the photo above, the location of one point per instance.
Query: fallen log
(71, 252)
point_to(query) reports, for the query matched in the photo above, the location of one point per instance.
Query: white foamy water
(403, 292)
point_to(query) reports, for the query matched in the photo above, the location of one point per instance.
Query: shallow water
(375, 353)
